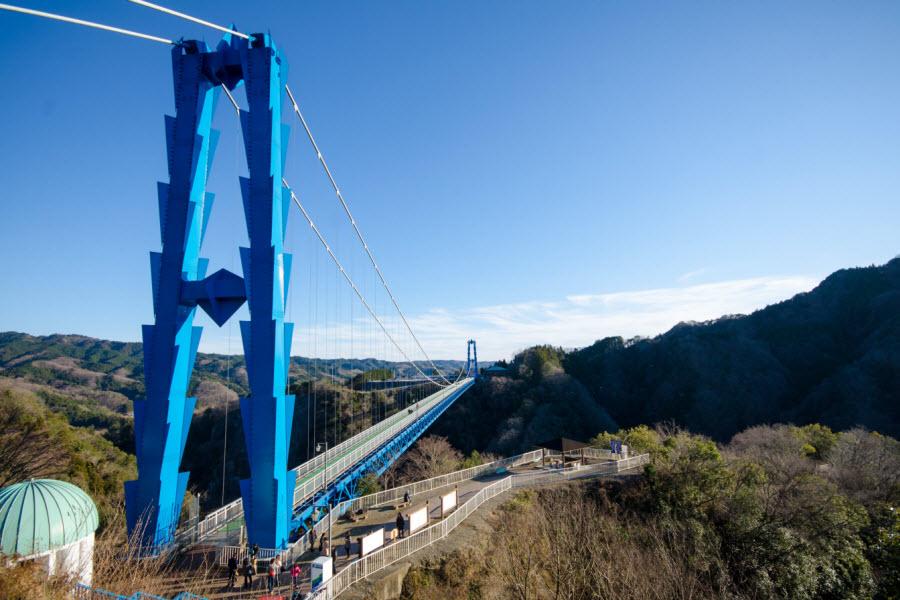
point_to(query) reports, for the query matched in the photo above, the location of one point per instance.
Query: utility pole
(325, 487)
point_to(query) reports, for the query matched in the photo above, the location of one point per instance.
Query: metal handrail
(364, 502)
(364, 442)
(439, 481)
(363, 567)
(367, 565)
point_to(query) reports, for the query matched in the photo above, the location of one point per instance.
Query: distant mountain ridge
(112, 372)
(831, 355)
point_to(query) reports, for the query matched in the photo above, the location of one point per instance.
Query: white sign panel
(448, 502)
(417, 519)
(320, 571)
(373, 541)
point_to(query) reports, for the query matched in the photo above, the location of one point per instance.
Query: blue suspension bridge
(276, 503)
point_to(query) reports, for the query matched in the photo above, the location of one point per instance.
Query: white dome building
(49, 522)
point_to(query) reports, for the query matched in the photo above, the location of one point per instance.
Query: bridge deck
(222, 527)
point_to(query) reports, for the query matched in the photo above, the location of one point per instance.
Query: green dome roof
(44, 514)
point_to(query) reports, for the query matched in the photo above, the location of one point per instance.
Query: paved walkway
(383, 516)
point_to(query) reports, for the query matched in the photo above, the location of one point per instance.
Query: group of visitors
(249, 568)
(325, 546)
(249, 563)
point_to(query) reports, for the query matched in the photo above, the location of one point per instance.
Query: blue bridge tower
(267, 412)
(162, 420)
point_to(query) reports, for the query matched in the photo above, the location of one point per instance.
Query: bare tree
(430, 457)
(865, 464)
(123, 565)
(28, 449)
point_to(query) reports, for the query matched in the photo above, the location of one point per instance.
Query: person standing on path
(276, 563)
(232, 571)
(270, 581)
(247, 568)
(400, 524)
(347, 544)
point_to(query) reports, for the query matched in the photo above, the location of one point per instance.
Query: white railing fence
(305, 542)
(363, 567)
(427, 485)
(608, 468)
(239, 552)
(339, 459)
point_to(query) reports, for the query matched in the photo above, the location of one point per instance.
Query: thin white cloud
(691, 275)
(579, 320)
(573, 321)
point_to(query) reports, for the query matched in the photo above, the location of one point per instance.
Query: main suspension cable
(188, 17)
(350, 281)
(359, 234)
(347, 277)
(73, 20)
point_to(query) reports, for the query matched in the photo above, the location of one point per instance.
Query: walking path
(384, 516)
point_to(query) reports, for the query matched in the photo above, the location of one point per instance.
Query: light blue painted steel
(86, 592)
(377, 462)
(267, 412)
(161, 421)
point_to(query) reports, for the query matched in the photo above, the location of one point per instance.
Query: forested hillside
(111, 373)
(831, 355)
(800, 513)
(89, 385)
(508, 415)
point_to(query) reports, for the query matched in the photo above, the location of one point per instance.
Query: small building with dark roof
(495, 371)
(565, 446)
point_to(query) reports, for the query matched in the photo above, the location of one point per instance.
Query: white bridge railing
(426, 485)
(363, 567)
(365, 502)
(311, 475)
(579, 472)
(368, 565)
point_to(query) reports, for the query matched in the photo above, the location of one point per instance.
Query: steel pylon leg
(161, 421)
(268, 411)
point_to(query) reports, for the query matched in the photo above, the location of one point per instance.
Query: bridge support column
(161, 420)
(472, 359)
(267, 412)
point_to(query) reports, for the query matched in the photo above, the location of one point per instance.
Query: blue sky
(526, 172)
